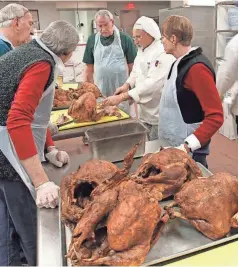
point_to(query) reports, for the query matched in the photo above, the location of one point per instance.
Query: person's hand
(112, 100)
(56, 157)
(184, 148)
(53, 128)
(47, 195)
(122, 89)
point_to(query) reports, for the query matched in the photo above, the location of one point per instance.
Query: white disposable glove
(57, 158)
(47, 195)
(53, 128)
(182, 147)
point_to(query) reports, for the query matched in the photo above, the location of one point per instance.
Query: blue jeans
(18, 224)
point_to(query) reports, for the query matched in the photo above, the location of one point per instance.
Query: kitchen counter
(49, 227)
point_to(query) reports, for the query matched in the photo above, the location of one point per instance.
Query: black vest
(189, 104)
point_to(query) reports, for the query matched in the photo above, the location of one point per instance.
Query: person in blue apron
(190, 110)
(109, 56)
(27, 87)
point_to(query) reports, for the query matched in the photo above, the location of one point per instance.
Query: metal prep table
(51, 241)
(76, 132)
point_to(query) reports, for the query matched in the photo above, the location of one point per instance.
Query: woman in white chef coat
(151, 66)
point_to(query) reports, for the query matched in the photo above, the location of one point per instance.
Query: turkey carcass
(166, 171)
(118, 227)
(209, 204)
(77, 187)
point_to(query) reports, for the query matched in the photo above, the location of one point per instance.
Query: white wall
(47, 12)
(68, 16)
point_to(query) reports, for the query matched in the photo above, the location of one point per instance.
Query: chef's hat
(149, 26)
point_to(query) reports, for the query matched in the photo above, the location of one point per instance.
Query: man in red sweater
(190, 110)
(27, 84)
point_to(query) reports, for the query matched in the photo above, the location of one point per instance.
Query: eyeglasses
(137, 37)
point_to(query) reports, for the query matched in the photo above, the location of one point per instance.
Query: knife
(65, 123)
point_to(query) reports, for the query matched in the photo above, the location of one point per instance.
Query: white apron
(172, 127)
(110, 68)
(39, 127)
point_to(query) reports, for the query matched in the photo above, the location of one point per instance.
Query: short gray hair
(104, 13)
(11, 11)
(60, 37)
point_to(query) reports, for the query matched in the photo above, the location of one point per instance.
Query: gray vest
(12, 67)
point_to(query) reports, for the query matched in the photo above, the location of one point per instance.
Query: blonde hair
(179, 26)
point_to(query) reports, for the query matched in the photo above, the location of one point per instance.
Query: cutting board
(66, 86)
(55, 114)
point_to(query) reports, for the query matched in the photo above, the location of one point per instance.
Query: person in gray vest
(16, 28)
(27, 84)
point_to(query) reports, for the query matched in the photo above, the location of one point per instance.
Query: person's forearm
(35, 170)
(130, 66)
(88, 77)
(88, 74)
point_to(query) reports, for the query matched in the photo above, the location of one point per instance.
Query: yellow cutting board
(66, 86)
(55, 114)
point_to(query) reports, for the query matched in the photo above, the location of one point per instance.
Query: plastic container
(113, 142)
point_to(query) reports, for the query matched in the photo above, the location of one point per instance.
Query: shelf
(227, 3)
(223, 31)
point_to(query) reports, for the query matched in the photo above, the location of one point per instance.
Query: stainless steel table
(49, 240)
(177, 239)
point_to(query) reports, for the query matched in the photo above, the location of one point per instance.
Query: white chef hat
(149, 26)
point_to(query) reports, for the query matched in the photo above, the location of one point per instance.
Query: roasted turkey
(64, 97)
(83, 109)
(209, 204)
(118, 227)
(76, 188)
(166, 171)
(86, 87)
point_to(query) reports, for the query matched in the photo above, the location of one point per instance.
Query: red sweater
(208, 98)
(26, 100)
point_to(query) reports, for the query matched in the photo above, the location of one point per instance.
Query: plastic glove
(47, 195)
(182, 147)
(58, 158)
(53, 128)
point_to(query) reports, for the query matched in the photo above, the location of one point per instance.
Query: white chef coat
(150, 70)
